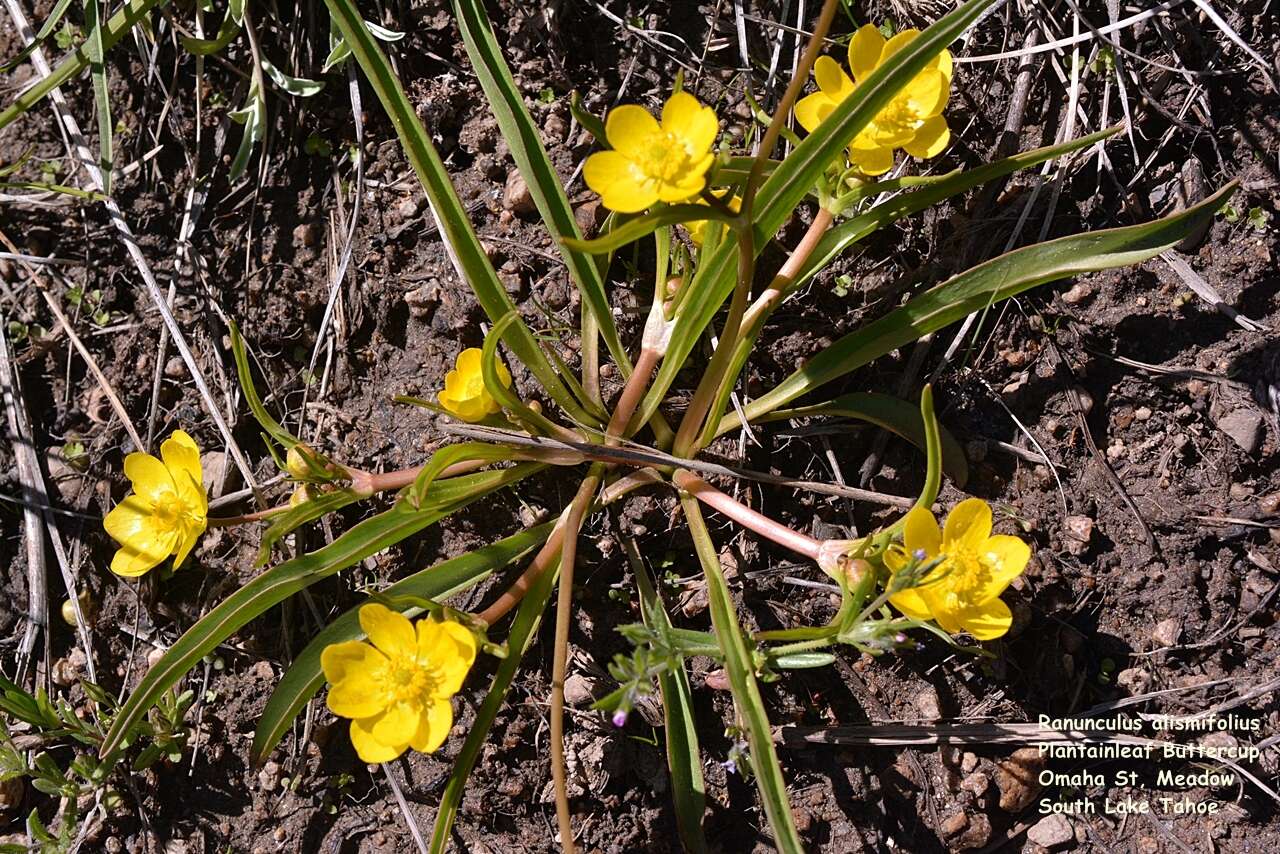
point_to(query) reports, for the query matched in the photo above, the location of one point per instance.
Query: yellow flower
(912, 120)
(397, 690)
(698, 228)
(962, 593)
(464, 393)
(165, 515)
(651, 162)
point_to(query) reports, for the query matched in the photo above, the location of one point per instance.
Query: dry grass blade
(29, 474)
(79, 152)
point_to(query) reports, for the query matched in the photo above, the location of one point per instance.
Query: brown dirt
(1088, 613)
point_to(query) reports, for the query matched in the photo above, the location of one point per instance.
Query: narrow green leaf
(205, 47)
(889, 413)
(300, 87)
(455, 227)
(301, 514)
(982, 286)
(525, 142)
(523, 627)
(796, 175)
(742, 682)
(634, 229)
(588, 120)
(304, 677)
(447, 456)
(684, 759)
(78, 60)
(253, 115)
(101, 97)
(250, 392)
(790, 182)
(280, 582)
(46, 30)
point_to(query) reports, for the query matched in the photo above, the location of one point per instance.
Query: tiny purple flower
(919, 554)
(730, 766)
(620, 719)
(900, 638)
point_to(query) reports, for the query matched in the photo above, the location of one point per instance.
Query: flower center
(170, 510)
(412, 681)
(664, 158)
(968, 573)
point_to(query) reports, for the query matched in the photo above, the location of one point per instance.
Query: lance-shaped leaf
(634, 229)
(524, 140)
(280, 582)
(78, 60)
(982, 286)
(791, 181)
(305, 677)
(460, 241)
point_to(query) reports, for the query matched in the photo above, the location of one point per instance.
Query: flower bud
(620, 718)
(299, 461)
(301, 495)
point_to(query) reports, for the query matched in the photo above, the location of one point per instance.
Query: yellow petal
(181, 455)
(811, 110)
(390, 631)
(398, 723)
(619, 184)
(930, 139)
(468, 361)
(690, 122)
(148, 475)
(688, 186)
(358, 696)
(135, 559)
(897, 43)
(968, 525)
(449, 647)
(832, 80)
(1007, 556)
(433, 727)
(864, 51)
(987, 621)
(368, 748)
(911, 603)
(349, 660)
(186, 541)
(503, 374)
(628, 129)
(927, 94)
(920, 532)
(944, 64)
(871, 161)
(143, 543)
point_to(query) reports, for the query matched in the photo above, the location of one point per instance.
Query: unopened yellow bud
(296, 461)
(301, 495)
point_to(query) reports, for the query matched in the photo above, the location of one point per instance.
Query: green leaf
(982, 286)
(789, 183)
(524, 139)
(250, 392)
(455, 228)
(684, 759)
(78, 60)
(447, 456)
(523, 627)
(300, 514)
(46, 30)
(634, 229)
(889, 413)
(304, 677)
(849, 232)
(101, 97)
(280, 582)
(204, 47)
(253, 115)
(740, 665)
(298, 86)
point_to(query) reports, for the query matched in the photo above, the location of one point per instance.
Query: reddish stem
(745, 516)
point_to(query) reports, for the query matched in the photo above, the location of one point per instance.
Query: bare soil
(1155, 517)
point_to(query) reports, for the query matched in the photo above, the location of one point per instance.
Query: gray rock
(1245, 427)
(1051, 831)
